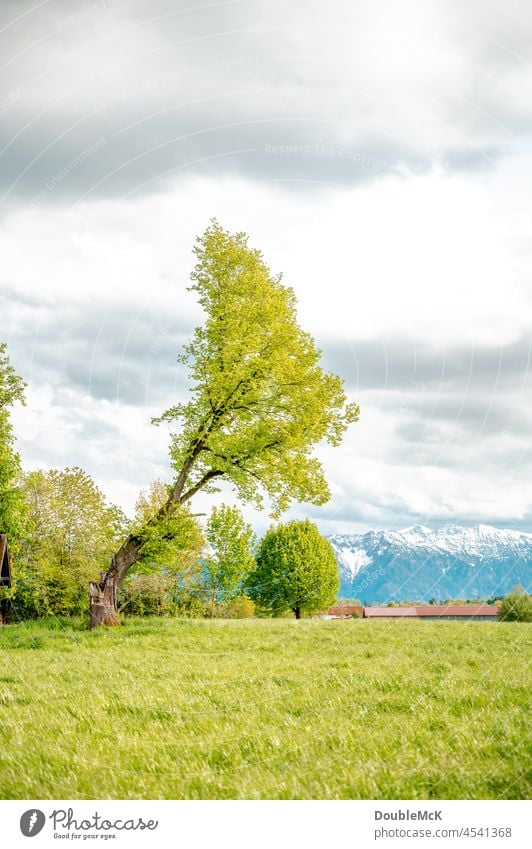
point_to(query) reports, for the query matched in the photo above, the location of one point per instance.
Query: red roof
(346, 610)
(466, 610)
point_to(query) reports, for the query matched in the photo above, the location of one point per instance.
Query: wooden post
(5, 566)
(5, 577)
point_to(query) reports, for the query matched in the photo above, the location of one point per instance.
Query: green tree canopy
(13, 515)
(296, 569)
(174, 543)
(74, 532)
(260, 401)
(230, 559)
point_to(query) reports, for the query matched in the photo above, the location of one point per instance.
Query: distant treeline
(493, 599)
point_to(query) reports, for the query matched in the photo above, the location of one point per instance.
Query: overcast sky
(378, 152)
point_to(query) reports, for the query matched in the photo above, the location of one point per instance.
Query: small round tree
(296, 569)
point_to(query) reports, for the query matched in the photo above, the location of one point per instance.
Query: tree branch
(212, 473)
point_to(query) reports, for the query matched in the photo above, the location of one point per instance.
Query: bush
(190, 604)
(241, 607)
(516, 608)
(148, 595)
(35, 597)
(214, 610)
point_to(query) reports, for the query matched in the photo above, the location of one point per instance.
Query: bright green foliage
(174, 542)
(260, 401)
(230, 560)
(169, 568)
(296, 569)
(149, 595)
(241, 607)
(74, 533)
(516, 607)
(13, 515)
(190, 603)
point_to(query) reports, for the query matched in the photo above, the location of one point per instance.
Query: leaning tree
(259, 402)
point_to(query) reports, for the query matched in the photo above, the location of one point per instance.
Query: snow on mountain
(354, 560)
(418, 563)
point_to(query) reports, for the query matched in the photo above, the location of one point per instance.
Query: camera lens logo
(32, 822)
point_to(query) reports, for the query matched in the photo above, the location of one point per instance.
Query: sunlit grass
(264, 709)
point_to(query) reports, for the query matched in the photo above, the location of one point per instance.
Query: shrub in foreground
(148, 595)
(241, 607)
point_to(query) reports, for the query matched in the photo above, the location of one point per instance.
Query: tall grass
(264, 709)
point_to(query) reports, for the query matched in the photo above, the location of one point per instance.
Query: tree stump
(103, 603)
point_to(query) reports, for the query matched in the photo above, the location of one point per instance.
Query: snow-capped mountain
(420, 564)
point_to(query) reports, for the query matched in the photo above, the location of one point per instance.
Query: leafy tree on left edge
(13, 512)
(73, 532)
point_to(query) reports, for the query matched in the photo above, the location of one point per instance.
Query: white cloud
(430, 257)
(404, 81)
(411, 221)
(113, 442)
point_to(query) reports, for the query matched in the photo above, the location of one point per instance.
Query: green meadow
(265, 709)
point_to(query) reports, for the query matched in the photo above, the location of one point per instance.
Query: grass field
(264, 709)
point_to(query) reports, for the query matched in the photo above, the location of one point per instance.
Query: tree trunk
(5, 610)
(297, 611)
(103, 602)
(103, 595)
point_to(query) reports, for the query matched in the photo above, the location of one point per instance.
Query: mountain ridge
(418, 563)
